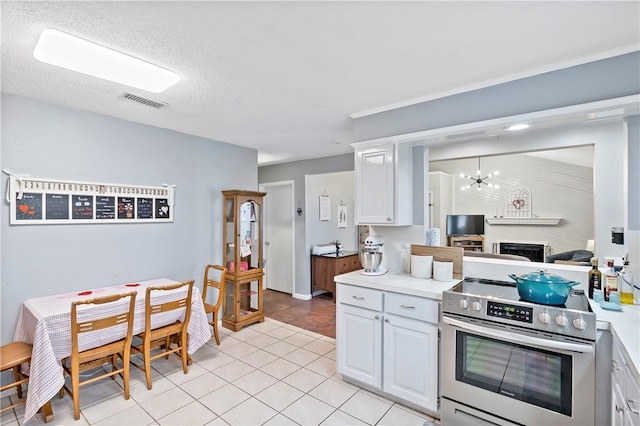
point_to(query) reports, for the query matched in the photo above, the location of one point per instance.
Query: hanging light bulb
(479, 180)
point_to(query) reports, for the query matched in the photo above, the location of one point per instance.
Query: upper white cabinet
(383, 183)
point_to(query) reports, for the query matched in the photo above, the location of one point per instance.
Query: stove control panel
(511, 312)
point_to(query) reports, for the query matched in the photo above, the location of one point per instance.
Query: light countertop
(625, 326)
(398, 282)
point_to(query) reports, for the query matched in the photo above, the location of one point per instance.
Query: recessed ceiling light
(64, 50)
(515, 127)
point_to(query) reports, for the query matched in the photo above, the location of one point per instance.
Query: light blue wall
(594, 81)
(50, 141)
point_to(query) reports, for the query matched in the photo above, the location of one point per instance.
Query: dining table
(45, 323)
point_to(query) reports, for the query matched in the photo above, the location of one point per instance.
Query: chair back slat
(118, 319)
(181, 302)
(218, 283)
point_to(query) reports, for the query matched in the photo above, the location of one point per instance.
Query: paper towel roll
(433, 237)
(443, 270)
(421, 266)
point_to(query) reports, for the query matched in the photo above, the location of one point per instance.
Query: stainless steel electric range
(508, 361)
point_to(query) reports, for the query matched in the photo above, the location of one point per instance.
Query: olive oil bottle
(595, 277)
(626, 283)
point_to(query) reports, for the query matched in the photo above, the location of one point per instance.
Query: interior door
(278, 236)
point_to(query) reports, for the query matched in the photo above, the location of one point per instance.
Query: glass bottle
(595, 277)
(625, 283)
(610, 280)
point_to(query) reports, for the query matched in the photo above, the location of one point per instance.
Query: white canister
(421, 266)
(443, 270)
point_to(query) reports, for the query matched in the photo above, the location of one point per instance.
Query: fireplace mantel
(523, 221)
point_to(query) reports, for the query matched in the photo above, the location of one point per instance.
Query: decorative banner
(37, 201)
(342, 216)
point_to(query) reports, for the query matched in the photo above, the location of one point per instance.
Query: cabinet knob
(388, 219)
(407, 307)
(386, 320)
(632, 406)
(360, 298)
(377, 317)
(619, 408)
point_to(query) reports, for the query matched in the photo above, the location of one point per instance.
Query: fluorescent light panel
(64, 50)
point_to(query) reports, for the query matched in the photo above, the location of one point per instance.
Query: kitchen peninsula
(387, 337)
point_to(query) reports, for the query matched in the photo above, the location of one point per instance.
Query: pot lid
(541, 276)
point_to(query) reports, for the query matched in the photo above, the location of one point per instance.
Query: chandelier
(479, 180)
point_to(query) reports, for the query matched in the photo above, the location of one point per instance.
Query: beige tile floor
(269, 373)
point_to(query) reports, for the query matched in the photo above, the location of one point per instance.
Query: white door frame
(264, 187)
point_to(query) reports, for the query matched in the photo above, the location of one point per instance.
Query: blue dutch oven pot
(543, 288)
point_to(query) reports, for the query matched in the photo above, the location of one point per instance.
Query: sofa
(573, 256)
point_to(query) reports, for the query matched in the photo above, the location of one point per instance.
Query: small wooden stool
(12, 356)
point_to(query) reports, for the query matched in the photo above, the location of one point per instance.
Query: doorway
(279, 227)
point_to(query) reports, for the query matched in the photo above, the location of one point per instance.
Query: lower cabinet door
(359, 344)
(411, 360)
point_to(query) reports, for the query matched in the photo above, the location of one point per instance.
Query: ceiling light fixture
(516, 127)
(478, 180)
(64, 50)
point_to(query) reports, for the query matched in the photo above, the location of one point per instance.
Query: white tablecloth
(45, 322)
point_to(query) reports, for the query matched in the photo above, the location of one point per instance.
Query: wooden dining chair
(216, 282)
(119, 318)
(165, 335)
(12, 356)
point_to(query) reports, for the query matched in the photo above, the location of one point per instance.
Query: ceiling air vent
(144, 101)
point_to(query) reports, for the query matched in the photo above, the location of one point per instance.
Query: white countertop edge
(398, 282)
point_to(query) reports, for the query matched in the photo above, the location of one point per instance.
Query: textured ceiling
(285, 77)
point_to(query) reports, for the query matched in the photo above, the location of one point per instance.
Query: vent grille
(144, 101)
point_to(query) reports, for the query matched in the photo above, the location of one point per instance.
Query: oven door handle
(520, 338)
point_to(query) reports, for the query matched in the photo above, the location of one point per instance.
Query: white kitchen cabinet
(383, 183)
(625, 392)
(411, 360)
(360, 334)
(389, 341)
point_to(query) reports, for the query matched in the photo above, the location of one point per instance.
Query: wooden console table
(325, 266)
(475, 243)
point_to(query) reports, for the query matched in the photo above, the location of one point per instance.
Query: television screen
(465, 224)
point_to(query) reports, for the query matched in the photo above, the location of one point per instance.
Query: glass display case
(242, 255)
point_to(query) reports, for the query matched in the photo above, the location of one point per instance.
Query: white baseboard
(301, 296)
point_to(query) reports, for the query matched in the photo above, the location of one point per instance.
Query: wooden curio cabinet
(242, 237)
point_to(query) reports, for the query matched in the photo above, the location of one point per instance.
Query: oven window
(532, 375)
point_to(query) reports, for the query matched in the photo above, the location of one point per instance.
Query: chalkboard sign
(82, 207)
(57, 206)
(29, 207)
(105, 207)
(38, 201)
(145, 208)
(162, 208)
(126, 208)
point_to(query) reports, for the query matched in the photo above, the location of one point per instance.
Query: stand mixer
(371, 256)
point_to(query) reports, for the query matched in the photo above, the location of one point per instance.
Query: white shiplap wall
(558, 190)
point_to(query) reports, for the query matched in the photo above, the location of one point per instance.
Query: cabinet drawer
(419, 308)
(618, 366)
(360, 296)
(355, 263)
(344, 264)
(632, 397)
